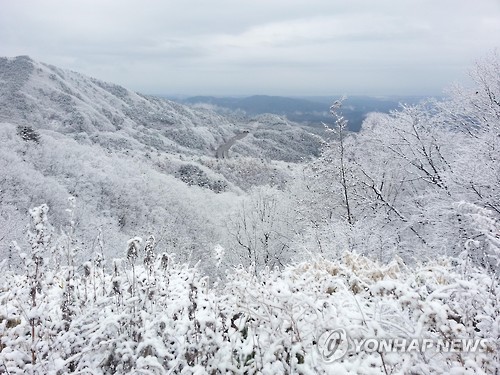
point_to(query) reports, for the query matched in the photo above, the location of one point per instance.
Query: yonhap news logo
(335, 344)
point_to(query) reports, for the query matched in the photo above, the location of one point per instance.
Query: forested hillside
(134, 164)
(128, 247)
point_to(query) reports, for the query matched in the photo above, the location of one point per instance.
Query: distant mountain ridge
(258, 104)
(309, 110)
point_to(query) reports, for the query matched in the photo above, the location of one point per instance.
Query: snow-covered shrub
(27, 133)
(193, 175)
(175, 321)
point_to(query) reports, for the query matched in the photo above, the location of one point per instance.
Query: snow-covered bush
(166, 317)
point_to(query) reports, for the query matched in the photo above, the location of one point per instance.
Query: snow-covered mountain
(89, 169)
(134, 163)
(46, 97)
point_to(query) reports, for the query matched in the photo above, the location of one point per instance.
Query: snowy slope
(46, 97)
(135, 164)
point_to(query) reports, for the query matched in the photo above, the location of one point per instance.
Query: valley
(143, 235)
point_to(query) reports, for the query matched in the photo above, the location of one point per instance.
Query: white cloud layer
(294, 47)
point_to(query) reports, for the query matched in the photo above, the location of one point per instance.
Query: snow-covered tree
(262, 230)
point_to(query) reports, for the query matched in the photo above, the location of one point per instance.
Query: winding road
(222, 151)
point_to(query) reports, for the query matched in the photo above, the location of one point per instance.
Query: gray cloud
(257, 46)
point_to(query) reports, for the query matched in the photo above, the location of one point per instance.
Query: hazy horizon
(292, 96)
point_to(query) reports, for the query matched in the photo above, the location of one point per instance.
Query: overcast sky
(276, 47)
